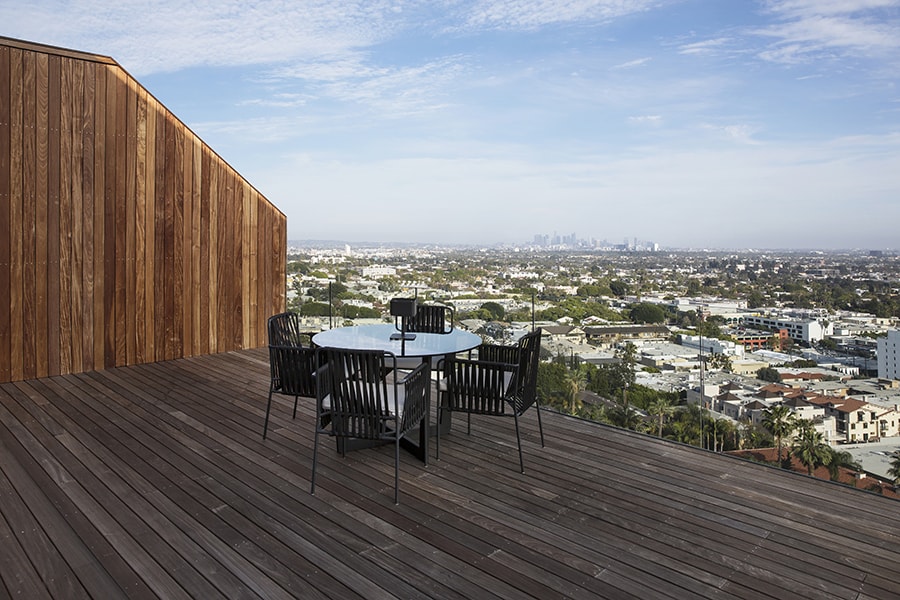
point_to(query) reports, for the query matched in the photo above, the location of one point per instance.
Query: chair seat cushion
(401, 400)
(408, 363)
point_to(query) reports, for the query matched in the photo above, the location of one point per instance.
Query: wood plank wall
(124, 238)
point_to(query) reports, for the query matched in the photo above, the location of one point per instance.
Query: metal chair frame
(429, 318)
(354, 400)
(501, 382)
(291, 364)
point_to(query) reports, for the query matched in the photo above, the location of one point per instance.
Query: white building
(713, 346)
(889, 355)
(378, 271)
(799, 329)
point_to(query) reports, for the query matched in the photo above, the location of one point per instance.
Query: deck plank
(154, 481)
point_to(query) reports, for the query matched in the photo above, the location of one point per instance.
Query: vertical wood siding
(124, 239)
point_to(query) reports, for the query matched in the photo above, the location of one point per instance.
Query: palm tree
(684, 431)
(727, 431)
(661, 408)
(894, 471)
(694, 416)
(841, 459)
(809, 447)
(623, 415)
(780, 422)
(576, 382)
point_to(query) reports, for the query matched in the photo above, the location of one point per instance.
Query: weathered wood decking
(154, 481)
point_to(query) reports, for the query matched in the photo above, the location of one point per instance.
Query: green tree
(496, 311)
(894, 470)
(661, 408)
(623, 414)
(719, 361)
(592, 290)
(627, 355)
(809, 447)
(755, 436)
(693, 419)
(359, 312)
(769, 374)
(619, 288)
(780, 421)
(576, 382)
(841, 459)
(755, 299)
(551, 381)
(610, 379)
(828, 344)
(647, 313)
(314, 309)
(296, 266)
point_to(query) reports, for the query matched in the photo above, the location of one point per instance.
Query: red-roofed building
(859, 421)
(797, 379)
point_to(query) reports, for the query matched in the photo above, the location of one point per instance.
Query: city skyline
(692, 123)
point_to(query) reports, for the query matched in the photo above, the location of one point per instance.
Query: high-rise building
(889, 355)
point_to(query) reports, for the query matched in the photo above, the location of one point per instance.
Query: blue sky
(691, 123)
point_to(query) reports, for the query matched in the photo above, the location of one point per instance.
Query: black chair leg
(424, 434)
(537, 407)
(268, 408)
(437, 439)
(519, 442)
(295, 406)
(397, 471)
(312, 486)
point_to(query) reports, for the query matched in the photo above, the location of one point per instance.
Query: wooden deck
(153, 481)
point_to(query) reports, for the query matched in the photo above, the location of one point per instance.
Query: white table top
(378, 337)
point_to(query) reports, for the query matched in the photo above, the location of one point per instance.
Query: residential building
(857, 421)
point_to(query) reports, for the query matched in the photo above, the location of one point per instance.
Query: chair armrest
(415, 396)
(421, 372)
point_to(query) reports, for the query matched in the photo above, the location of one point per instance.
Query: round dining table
(427, 346)
(383, 337)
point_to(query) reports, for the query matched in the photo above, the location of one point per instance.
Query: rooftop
(154, 481)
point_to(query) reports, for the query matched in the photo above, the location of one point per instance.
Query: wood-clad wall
(124, 239)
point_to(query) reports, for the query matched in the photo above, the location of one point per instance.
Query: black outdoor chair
(284, 330)
(291, 364)
(429, 318)
(354, 401)
(501, 382)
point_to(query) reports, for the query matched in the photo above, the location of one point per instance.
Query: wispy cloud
(809, 29)
(740, 133)
(172, 36)
(392, 90)
(712, 46)
(651, 119)
(519, 14)
(631, 64)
